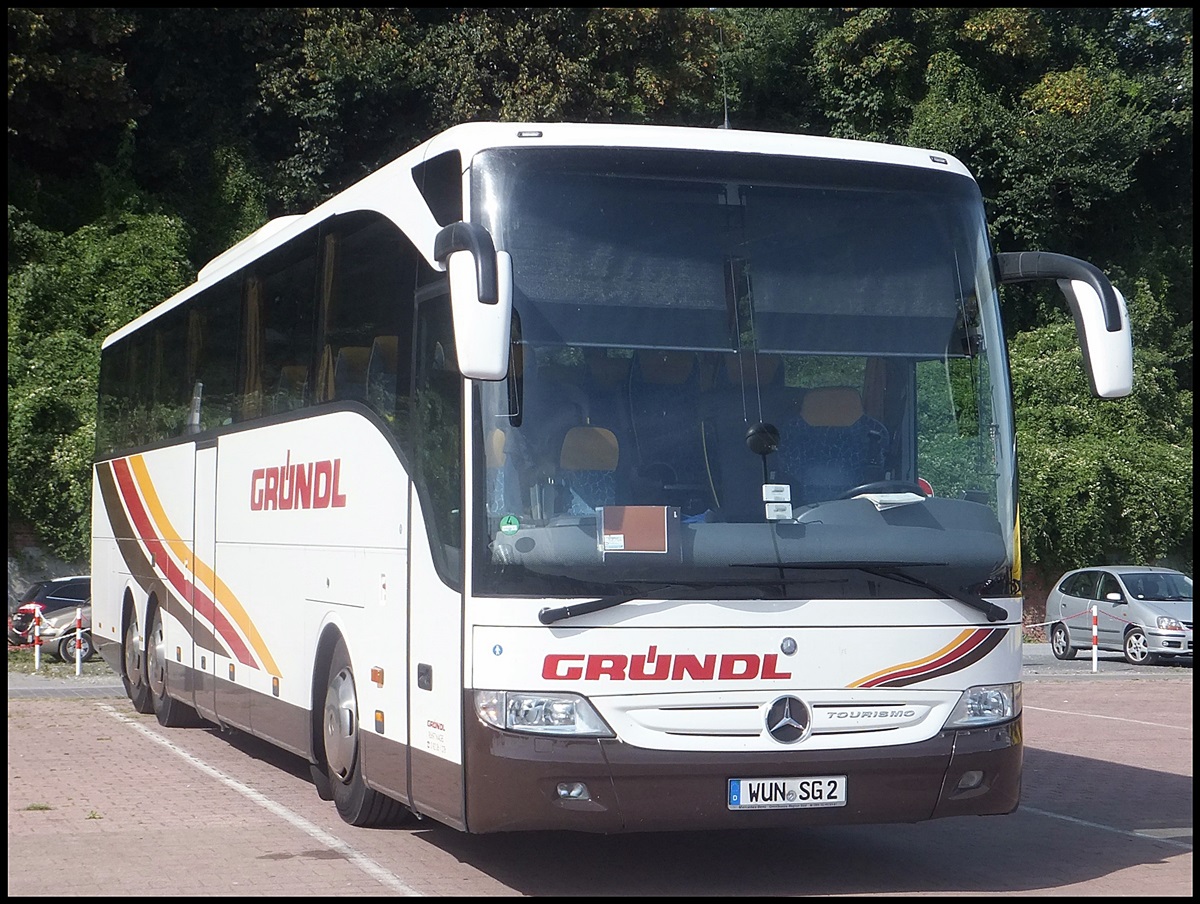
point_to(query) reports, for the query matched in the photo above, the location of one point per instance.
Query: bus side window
(350, 373)
(292, 390)
(280, 314)
(212, 351)
(365, 313)
(437, 415)
(381, 374)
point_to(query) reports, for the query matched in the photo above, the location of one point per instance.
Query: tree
(72, 291)
(1101, 480)
(144, 141)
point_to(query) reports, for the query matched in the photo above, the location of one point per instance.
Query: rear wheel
(66, 647)
(170, 712)
(1060, 642)
(1137, 651)
(133, 672)
(356, 803)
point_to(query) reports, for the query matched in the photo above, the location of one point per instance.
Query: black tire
(1137, 651)
(1060, 642)
(356, 803)
(66, 647)
(170, 712)
(133, 670)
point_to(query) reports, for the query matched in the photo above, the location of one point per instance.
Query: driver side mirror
(1114, 597)
(1101, 317)
(480, 299)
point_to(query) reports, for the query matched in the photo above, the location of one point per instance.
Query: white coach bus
(592, 477)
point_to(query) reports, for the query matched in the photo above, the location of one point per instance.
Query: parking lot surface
(129, 808)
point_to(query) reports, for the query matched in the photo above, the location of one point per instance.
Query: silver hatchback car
(1142, 611)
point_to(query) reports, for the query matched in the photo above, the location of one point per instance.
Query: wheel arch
(322, 657)
(128, 614)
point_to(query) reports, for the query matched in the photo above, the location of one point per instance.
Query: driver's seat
(832, 446)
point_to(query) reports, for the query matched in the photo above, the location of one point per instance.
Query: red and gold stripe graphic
(968, 647)
(128, 490)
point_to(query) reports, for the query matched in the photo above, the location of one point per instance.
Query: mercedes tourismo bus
(592, 477)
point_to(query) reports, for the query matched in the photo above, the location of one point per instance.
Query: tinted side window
(1108, 584)
(279, 308)
(76, 590)
(1081, 585)
(32, 593)
(365, 316)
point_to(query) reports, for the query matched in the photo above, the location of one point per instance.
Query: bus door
(435, 571)
(204, 556)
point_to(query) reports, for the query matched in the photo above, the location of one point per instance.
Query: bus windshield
(727, 363)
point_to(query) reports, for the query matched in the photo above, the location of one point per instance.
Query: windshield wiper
(894, 572)
(549, 616)
(884, 570)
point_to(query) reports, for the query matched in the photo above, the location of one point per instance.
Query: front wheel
(133, 670)
(66, 647)
(170, 712)
(1137, 651)
(1060, 642)
(356, 803)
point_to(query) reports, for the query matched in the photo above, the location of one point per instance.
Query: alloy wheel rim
(1136, 647)
(341, 725)
(156, 661)
(133, 659)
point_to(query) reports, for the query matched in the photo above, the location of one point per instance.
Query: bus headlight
(541, 713)
(986, 704)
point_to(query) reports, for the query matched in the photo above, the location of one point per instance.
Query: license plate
(787, 793)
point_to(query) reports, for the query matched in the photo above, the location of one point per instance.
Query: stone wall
(28, 562)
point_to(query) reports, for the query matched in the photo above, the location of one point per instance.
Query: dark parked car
(1141, 611)
(57, 600)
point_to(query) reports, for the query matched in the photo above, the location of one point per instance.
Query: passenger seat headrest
(589, 449)
(831, 406)
(496, 442)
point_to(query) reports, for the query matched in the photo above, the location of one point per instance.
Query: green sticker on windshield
(509, 524)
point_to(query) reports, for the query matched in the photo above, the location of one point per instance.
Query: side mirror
(1101, 316)
(480, 299)
(1114, 597)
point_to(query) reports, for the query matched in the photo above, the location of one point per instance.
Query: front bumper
(1169, 643)
(512, 782)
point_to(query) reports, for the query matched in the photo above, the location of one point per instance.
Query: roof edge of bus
(471, 137)
(474, 136)
(262, 233)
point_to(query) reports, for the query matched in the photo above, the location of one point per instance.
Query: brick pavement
(1108, 771)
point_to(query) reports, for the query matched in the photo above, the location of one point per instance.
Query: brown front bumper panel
(512, 782)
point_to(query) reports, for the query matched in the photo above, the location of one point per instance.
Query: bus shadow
(1080, 820)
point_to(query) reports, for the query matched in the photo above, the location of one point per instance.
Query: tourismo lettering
(310, 485)
(653, 666)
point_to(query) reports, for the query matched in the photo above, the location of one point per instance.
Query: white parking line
(381, 874)
(1070, 712)
(1096, 825)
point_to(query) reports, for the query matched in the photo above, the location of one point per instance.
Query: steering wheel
(885, 486)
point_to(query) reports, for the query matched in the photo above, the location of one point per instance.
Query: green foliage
(574, 63)
(1101, 480)
(142, 142)
(66, 84)
(68, 295)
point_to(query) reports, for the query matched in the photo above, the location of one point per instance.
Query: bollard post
(37, 641)
(78, 640)
(1095, 636)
